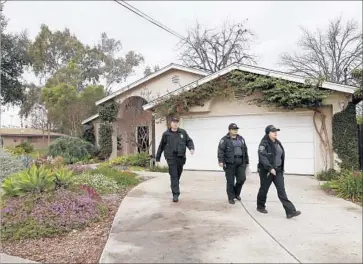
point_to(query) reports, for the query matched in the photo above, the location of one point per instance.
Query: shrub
(79, 168)
(27, 161)
(49, 214)
(99, 182)
(72, 149)
(327, 175)
(57, 162)
(159, 169)
(139, 160)
(33, 180)
(122, 178)
(26, 147)
(349, 185)
(105, 140)
(63, 178)
(9, 165)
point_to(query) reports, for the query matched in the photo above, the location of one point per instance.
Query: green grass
(123, 178)
(159, 169)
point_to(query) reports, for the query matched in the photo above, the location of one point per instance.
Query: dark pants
(175, 170)
(265, 183)
(236, 170)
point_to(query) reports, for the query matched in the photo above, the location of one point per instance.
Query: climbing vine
(276, 93)
(345, 137)
(107, 114)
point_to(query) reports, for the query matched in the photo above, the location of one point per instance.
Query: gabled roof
(252, 69)
(90, 119)
(171, 66)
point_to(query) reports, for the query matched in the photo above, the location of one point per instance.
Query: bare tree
(211, 51)
(331, 54)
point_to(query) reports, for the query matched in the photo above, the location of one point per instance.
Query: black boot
(262, 210)
(293, 214)
(238, 198)
(231, 201)
(175, 198)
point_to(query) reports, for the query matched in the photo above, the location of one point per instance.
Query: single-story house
(14, 136)
(207, 124)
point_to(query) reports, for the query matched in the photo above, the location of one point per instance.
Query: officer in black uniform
(174, 142)
(271, 157)
(233, 158)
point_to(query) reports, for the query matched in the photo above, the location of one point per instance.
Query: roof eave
(149, 77)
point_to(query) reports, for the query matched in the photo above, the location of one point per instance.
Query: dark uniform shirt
(175, 141)
(278, 157)
(237, 147)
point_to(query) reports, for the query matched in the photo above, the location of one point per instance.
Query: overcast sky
(275, 23)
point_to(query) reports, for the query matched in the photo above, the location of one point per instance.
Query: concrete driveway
(204, 227)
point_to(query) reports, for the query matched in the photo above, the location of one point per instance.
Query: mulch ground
(79, 246)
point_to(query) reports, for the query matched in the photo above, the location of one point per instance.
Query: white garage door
(297, 136)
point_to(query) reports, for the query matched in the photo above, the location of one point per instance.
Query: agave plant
(33, 180)
(63, 178)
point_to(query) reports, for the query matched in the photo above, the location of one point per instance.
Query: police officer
(233, 158)
(271, 157)
(174, 142)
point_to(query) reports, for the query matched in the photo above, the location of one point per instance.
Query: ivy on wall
(107, 114)
(345, 137)
(276, 93)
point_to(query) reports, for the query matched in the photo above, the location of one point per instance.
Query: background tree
(149, 71)
(14, 60)
(116, 69)
(212, 50)
(328, 53)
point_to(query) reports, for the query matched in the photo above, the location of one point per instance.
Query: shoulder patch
(261, 148)
(221, 142)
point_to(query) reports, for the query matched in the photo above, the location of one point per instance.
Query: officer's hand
(221, 164)
(192, 151)
(273, 172)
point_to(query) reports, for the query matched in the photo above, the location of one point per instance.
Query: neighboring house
(206, 125)
(14, 136)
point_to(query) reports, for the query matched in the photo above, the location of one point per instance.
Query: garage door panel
(299, 150)
(207, 132)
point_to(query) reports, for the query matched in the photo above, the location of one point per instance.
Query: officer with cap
(174, 142)
(233, 158)
(271, 157)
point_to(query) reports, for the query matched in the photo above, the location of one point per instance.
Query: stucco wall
(37, 142)
(159, 85)
(223, 107)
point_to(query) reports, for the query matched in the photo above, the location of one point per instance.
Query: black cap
(174, 119)
(271, 128)
(233, 126)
